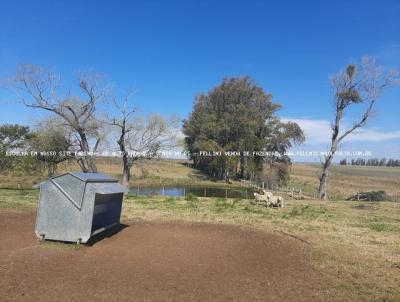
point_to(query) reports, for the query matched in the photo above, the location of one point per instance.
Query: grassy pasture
(355, 244)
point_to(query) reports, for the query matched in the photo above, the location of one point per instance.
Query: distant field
(343, 180)
(145, 174)
(348, 180)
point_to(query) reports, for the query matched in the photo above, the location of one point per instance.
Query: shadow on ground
(106, 234)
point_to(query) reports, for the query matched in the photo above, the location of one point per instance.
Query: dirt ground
(162, 261)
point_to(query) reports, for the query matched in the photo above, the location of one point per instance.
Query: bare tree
(140, 137)
(39, 88)
(363, 84)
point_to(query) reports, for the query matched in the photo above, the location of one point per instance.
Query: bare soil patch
(174, 261)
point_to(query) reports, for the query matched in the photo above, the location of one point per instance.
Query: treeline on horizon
(373, 162)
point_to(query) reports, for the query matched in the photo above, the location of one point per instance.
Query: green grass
(358, 242)
(307, 211)
(55, 245)
(18, 199)
(191, 201)
(223, 205)
(191, 197)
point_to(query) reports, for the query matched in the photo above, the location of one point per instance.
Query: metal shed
(75, 206)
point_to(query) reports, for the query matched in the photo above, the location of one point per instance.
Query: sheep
(269, 199)
(260, 198)
(268, 194)
(275, 201)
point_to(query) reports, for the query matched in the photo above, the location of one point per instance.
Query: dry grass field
(348, 180)
(145, 174)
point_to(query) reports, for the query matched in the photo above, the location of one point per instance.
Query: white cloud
(371, 135)
(316, 131)
(319, 131)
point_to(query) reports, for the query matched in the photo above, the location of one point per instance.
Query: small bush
(191, 200)
(369, 196)
(170, 201)
(382, 227)
(221, 204)
(191, 197)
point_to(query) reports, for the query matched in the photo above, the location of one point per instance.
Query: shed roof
(73, 185)
(109, 188)
(91, 177)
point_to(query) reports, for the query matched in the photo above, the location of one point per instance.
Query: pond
(197, 191)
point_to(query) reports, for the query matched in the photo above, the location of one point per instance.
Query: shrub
(221, 204)
(383, 227)
(191, 200)
(369, 196)
(191, 197)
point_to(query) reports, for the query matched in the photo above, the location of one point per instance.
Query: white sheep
(260, 198)
(269, 199)
(275, 201)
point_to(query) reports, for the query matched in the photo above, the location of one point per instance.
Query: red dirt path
(156, 262)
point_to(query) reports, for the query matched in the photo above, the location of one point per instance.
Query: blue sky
(169, 51)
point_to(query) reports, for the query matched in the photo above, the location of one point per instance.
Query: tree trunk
(51, 169)
(87, 163)
(242, 165)
(328, 159)
(126, 170)
(324, 178)
(82, 164)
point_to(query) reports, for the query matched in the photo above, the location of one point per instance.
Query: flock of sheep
(268, 199)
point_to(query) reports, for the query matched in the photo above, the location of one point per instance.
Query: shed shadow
(106, 234)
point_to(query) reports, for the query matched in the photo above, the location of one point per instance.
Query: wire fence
(244, 193)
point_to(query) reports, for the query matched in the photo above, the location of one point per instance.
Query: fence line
(200, 192)
(295, 193)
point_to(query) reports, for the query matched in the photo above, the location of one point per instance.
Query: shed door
(107, 210)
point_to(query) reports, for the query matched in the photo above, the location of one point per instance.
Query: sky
(169, 51)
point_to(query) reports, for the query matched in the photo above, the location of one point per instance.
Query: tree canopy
(13, 136)
(237, 115)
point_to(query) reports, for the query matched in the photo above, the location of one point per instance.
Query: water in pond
(197, 191)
